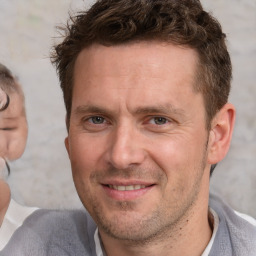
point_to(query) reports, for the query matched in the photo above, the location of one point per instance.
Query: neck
(4, 199)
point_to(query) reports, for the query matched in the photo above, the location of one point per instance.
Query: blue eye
(97, 120)
(159, 120)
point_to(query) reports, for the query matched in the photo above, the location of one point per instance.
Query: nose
(126, 148)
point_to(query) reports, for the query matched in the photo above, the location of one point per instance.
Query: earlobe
(221, 133)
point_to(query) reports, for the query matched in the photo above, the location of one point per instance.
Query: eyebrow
(161, 109)
(164, 109)
(11, 118)
(90, 109)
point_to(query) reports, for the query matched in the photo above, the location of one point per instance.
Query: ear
(221, 133)
(67, 122)
(66, 141)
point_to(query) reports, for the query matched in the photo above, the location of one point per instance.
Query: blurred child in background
(13, 137)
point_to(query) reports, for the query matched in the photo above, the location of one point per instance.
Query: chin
(129, 226)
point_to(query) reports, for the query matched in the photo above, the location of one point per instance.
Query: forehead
(151, 57)
(135, 73)
(15, 108)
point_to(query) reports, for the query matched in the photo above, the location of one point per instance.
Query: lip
(126, 195)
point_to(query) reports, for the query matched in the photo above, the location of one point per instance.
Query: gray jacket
(71, 233)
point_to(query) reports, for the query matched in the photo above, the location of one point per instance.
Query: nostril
(124, 159)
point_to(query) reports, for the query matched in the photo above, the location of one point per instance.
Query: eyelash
(94, 117)
(160, 118)
(89, 121)
(7, 129)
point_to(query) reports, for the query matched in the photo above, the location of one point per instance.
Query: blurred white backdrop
(42, 176)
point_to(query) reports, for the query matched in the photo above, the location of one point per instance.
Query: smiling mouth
(127, 188)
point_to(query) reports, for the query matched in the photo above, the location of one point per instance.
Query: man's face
(13, 128)
(137, 138)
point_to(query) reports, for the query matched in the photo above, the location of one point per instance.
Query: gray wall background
(42, 176)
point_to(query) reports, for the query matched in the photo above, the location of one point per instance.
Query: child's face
(13, 128)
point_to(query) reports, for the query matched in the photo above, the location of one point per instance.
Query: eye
(94, 123)
(7, 129)
(96, 120)
(158, 120)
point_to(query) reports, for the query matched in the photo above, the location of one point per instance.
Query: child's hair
(4, 100)
(8, 84)
(7, 80)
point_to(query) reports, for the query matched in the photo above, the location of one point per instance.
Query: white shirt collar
(215, 229)
(99, 251)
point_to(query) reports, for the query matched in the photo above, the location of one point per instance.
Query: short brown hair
(181, 22)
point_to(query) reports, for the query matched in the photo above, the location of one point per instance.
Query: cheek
(16, 147)
(169, 153)
(178, 156)
(89, 147)
(3, 146)
(84, 154)
(83, 164)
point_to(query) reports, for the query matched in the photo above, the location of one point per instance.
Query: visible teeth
(122, 188)
(127, 188)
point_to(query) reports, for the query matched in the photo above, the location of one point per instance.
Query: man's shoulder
(236, 233)
(246, 217)
(224, 211)
(53, 232)
(55, 218)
